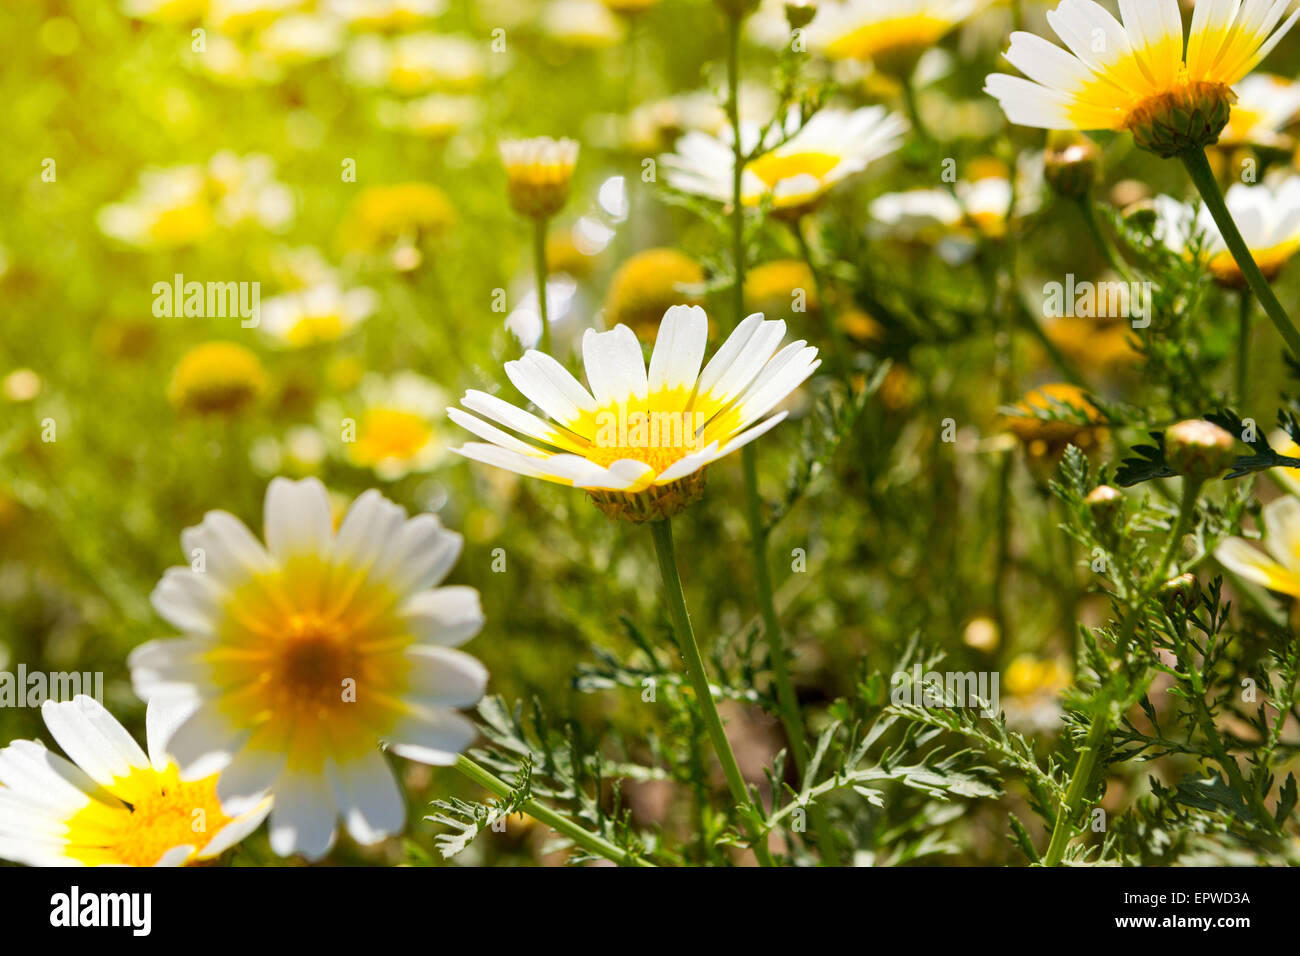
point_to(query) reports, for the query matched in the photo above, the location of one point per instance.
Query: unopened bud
(1104, 502)
(1141, 215)
(1071, 164)
(1198, 450)
(1179, 592)
(799, 13)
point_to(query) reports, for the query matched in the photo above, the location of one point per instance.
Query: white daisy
(320, 313)
(1135, 76)
(1279, 568)
(1265, 105)
(301, 655)
(111, 805)
(798, 164)
(892, 34)
(1268, 216)
(395, 426)
(640, 439)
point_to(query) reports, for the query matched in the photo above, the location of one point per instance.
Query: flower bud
(1179, 592)
(1104, 502)
(1198, 449)
(1141, 215)
(1071, 163)
(799, 13)
(737, 9)
(538, 174)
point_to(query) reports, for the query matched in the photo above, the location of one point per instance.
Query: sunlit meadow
(649, 432)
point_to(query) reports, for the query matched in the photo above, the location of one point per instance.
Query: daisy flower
(393, 432)
(796, 166)
(892, 34)
(639, 442)
(1268, 216)
(301, 655)
(1135, 75)
(321, 313)
(1279, 568)
(539, 172)
(1265, 105)
(111, 804)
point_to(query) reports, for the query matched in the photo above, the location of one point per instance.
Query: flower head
(395, 432)
(1268, 216)
(1265, 105)
(299, 656)
(775, 286)
(1279, 568)
(321, 313)
(381, 217)
(539, 173)
(1049, 418)
(891, 34)
(798, 163)
(1135, 75)
(111, 805)
(217, 378)
(638, 441)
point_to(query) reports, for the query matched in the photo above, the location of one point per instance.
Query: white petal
(369, 798)
(448, 615)
(303, 817)
(93, 738)
(614, 364)
(297, 518)
(433, 738)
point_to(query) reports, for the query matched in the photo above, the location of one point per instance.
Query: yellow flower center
(316, 328)
(772, 168)
(161, 812)
(311, 658)
(890, 38)
(182, 224)
(386, 434)
(658, 432)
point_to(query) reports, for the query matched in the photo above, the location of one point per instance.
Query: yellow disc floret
(161, 812)
(217, 378)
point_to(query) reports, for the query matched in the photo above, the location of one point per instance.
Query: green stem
(1070, 807)
(835, 334)
(1245, 305)
(913, 107)
(1198, 168)
(1068, 812)
(1100, 239)
(699, 678)
(788, 703)
(539, 265)
(591, 842)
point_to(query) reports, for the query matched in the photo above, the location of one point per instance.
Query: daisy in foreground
(795, 166)
(639, 442)
(300, 656)
(1136, 76)
(111, 805)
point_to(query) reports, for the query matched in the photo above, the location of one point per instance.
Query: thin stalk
(1069, 809)
(1100, 239)
(699, 678)
(1198, 168)
(593, 843)
(1245, 305)
(791, 718)
(835, 334)
(539, 265)
(912, 105)
(1099, 729)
